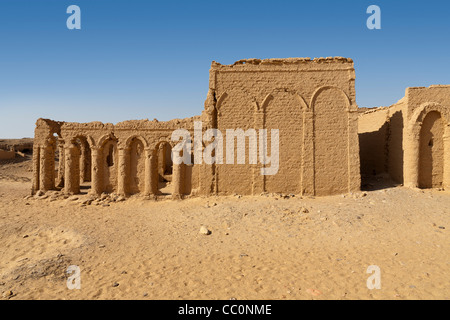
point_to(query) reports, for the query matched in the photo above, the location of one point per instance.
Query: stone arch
(236, 109)
(427, 147)
(331, 129)
(129, 140)
(88, 138)
(84, 143)
(164, 167)
(318, 91)
(76, 163)
(431, 151)
(226, 95)
(302, 103)
(265, 102)
(223, 97)
(284, 110)
(45, 147)
(109, 162)
(104, 138)
(420, 113)
(136, 146)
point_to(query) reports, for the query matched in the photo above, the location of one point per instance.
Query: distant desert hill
(23, 145)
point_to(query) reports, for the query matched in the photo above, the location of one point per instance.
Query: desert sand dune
(260, 247)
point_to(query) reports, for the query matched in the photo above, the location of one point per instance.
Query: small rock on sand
(204, 230)
(304, 210)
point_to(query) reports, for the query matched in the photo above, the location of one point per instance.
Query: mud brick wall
(323, 137)
(411, 139)
(311, 103)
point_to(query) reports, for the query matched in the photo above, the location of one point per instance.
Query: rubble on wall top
(87, 125)
(127, 125)
(366, 110)
(156, 124)
(285, 61)
(432, 86)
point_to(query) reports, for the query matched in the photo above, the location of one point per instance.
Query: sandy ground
(262, 247)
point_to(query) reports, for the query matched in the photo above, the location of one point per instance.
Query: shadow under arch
(381, 154)
(76, 178)
(431, 151)
(109, 159)
(164, 167)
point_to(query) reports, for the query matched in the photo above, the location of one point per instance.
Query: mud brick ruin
(10, 147)
(409, 140)
(325, 140)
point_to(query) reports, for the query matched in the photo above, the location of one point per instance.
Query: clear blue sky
(145, 59)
